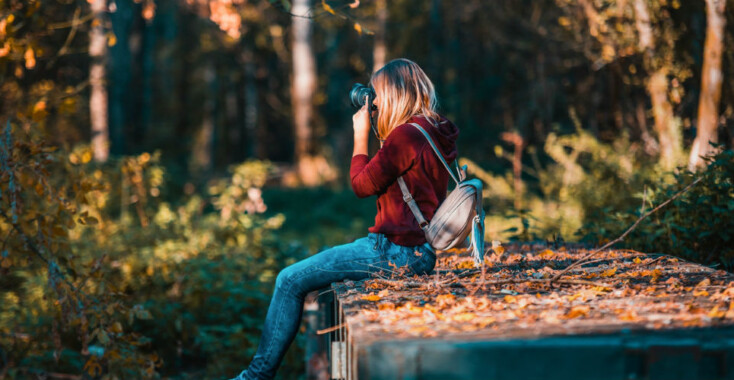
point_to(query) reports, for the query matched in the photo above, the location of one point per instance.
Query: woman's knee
(288, 281)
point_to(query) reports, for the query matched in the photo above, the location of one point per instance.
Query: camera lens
(359, 92)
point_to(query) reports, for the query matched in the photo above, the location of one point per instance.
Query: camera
(359, 92)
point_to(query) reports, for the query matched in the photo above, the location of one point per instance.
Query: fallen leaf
(445, 299)
(546, 254)
(574, 297)
(716, 313)
(656, 275)
(578, 311)
(628, 315)
(730, 312)
(485, 321)
(700, 293)
(463, 317)
(609, 272)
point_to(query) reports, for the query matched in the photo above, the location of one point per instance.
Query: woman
(404, 95)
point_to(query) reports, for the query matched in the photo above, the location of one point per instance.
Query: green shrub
(101, 275)
(697, 226)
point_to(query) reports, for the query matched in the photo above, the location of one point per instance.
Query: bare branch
(621, 237)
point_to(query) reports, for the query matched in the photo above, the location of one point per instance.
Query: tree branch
(621, 237)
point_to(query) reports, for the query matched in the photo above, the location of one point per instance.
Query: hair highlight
(403, 91)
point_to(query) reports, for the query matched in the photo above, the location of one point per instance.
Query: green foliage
(697, 226)
(588, 176)
(332, 217)
(584, 177)
(58, 311)
(99, 275)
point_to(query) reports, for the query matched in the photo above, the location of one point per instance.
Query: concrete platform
(627, 315)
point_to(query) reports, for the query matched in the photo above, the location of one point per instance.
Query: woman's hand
(361, 124)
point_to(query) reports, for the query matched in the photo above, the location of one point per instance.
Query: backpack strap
(408, 198)
(422, 223)
(438, 153)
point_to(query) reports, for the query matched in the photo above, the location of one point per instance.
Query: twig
(330, 329)
(654, 261)
(73, 23)
(413, 284)
(621, 237)
(69, 37)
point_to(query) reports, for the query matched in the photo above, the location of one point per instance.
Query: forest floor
(515, 296)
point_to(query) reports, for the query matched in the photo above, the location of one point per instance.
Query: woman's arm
(361, 123)
(395, 157)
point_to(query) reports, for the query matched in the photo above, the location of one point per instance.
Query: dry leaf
(700, 293)
(445, 298)
(327, 7)
(463, 317)
(716, 313)
(578, 311)
(485, 321)
(546, 254)
(628, 315)
(609, 272)
(574, 297)
(656, 275)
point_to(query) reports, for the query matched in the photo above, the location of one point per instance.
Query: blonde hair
(403, 91)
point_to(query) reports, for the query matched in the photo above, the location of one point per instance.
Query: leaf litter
(514, 296)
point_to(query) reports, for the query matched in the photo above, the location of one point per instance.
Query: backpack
(459, 217)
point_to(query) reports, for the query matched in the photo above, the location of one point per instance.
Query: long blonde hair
(403, 90)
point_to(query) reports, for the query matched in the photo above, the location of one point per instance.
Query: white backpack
(458, 217)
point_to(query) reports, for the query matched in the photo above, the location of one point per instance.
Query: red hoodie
(406, 152)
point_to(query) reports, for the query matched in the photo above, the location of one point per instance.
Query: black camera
(358, 94)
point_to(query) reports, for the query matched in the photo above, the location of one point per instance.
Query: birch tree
(711, 80)
(97, 72)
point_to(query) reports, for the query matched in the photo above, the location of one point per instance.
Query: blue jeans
(363, 258)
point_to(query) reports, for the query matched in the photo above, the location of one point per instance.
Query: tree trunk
(711, 79)
(650, 145)
(303, 87)
(669, 134)
(519, 143)
(379, 53)
(202, 155)
(147, 72)
(98, 97)
(120, 76)
(251, 106)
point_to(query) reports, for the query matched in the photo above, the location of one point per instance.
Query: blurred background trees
(157, 155)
